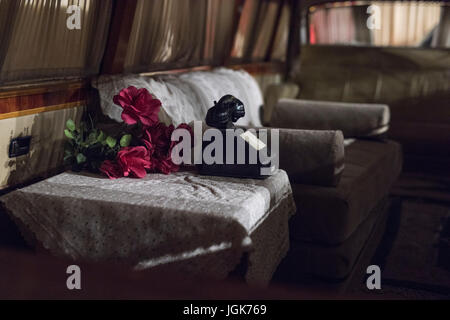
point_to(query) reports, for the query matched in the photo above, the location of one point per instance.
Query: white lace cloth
(186, 97)
(193, 223)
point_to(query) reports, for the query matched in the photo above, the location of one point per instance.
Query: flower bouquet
(142, 144)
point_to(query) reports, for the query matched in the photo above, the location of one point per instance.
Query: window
(35, 42)
(263, 27)
(377, 23)
(281, 36)
(178, 34)
(173, 33)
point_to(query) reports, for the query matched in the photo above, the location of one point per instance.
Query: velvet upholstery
(330, 215)
(355, 120)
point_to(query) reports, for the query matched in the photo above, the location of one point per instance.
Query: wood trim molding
(259, 67)
(254, 68)
(119, 36)
(24, 102)
(42, 87)
(27, 112)
(176, 70)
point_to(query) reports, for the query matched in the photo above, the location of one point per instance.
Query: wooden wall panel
(15, 103)
(39, 111)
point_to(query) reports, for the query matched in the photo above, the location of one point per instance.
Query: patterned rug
(414, 255)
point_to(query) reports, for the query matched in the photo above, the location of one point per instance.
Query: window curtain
(219, 31)
(362, 34)
(177, 34)
(401, 24)
(174, 33)
(405, 23)
(281, 36)
(332, 26)
(8, 12)
(264, 28)
(37, 44)
(441, 37)
(255, 30)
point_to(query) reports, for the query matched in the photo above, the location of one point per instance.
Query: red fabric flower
(161, 146)
(165, 165)
(160, 138)
(112, 169)
(134, 161)
(148, 142)
(158, 142)
(138, 105)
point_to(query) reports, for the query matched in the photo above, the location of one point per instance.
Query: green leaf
(92, 138)
(70, 125)
(69, 134)
(125, 140)
(111, 142)
(101, 136)
(81, 158)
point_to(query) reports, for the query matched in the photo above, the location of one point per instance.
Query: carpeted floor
(414, 255)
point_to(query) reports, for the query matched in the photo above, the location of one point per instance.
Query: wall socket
(19, 146)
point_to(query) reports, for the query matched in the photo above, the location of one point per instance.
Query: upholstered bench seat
(197, 225)
(333, 224)
(336, 262)
(336, 191)
(331, 215)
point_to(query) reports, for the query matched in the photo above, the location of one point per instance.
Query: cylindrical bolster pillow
(312, 156)
(355, 120)
(309, 156)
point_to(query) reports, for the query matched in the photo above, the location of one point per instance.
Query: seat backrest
(186, 97)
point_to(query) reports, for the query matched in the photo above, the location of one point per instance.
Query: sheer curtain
(332, 26)
(281, 36)
(219, 30)
(174, 33)
(255, 30)
(264, 28)
(405, 23)
(441, 36)
(37, 44)
(8, 12)
(401, 23)
(166, 32)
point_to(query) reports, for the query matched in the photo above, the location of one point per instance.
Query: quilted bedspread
(197, 224)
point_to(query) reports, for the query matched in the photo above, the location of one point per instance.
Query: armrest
(275, 92)
(312, 156)
(308, 156)
(355, 120)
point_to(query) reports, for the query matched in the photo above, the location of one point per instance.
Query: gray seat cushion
(338, 261)
(329, 215)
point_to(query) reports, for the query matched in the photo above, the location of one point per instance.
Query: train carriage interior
(116, 158)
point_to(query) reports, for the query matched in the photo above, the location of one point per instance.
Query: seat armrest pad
(355, 120)
(309, 156)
